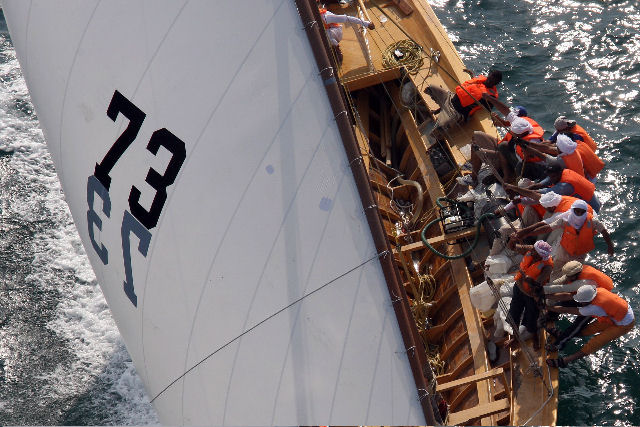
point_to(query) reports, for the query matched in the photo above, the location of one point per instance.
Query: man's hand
(371, 26)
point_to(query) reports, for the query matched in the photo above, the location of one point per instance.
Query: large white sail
(205, 173)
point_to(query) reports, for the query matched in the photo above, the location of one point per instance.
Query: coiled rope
(411, 58)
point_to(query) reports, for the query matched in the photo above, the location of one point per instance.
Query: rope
(411, 56)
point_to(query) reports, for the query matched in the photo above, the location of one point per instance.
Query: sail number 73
(138, 220)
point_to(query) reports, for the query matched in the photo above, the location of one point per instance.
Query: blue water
(580, 59)
(62, 360)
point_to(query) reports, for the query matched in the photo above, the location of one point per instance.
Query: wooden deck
(390, 134)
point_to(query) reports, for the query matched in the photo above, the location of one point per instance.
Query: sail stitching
(265, 320)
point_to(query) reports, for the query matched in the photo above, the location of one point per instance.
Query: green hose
(475, 240)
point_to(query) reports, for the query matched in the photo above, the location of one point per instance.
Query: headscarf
(550, 199)
(574, 220)
(565, 144)
(520, 126)
(543, 248)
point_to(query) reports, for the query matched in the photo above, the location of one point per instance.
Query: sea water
(62, 360)
(580, 59)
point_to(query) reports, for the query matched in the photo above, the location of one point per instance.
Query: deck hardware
(356, 159)
(309, 24)
(339, 114)
(383, 254)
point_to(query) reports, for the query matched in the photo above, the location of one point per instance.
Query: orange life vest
(592, 163)
(573, 161)
(579, 242)
(582, 187)
(531, 269)
(565, 205)
(578, 130)
(327, 26)
(540, 210)
(475, 88)
(537, 134)
(615, 307)
(601, 279)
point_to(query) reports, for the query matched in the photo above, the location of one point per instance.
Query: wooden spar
(417, 358)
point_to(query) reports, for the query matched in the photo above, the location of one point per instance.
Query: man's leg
(508, 162)
(489, 145)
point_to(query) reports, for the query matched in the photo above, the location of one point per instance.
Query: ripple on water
(582, 59)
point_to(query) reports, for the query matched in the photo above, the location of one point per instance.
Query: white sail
(231, 242)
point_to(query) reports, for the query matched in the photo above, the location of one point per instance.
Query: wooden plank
(404, 6)
(362, 81)
(362, 131)
(433, 334)
(434, 241)
(459, 270)
(471, 379)
(484, 410)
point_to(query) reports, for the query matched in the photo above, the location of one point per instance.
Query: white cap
(550, 199)
(520, 126)
(585, 293)
(565, 144)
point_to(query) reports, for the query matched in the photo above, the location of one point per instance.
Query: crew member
(334, 29)
(533, 273)
(570, 128)
(614, 318)
(505, 155)
(575, 275)
(579, 229)
(568, 183)
(456, 107)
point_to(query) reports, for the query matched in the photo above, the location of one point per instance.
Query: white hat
(565, 144)
(586, 293)
(520, 126)
(550, 199)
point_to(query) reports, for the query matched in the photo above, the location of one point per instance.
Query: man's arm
(541, 146)
(560, 309)
(501, 106)
(532, 194)
(560, 296)
(607, 238)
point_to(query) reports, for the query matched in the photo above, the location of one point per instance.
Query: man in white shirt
(614, 318)
(332, 24)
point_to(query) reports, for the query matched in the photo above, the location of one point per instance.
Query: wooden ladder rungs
(470, 379)
(461, 417)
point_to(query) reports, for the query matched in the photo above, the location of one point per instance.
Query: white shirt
(594, 310)
(335, 33)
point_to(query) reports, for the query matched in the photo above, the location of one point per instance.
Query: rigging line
(231, 341)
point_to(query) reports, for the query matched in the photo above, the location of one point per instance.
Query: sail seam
(382, 254)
